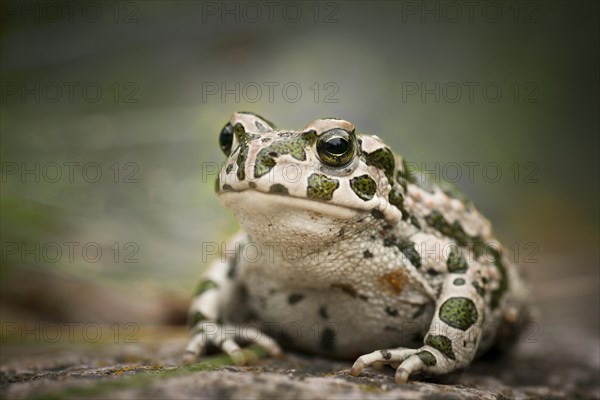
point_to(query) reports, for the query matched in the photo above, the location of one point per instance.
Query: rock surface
(540, 367)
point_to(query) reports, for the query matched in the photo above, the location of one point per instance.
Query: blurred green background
(137, 91)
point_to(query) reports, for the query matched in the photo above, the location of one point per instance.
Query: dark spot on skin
(415, 221)
(260, 127)
(341, 232)
(427, 358)
(367, 254)
(377, 214)
(323, 312)
(243, 290)
(346, 288)
(229, 168)
(391, 311)
(433, 272)
(408, 249)
(459, 313)
(217, 184)
(464, 343)
(364, 186)
(390, 241)
(456, 263)
(285, 339)
(233, 264)
(479, 288)
(295, 298)
(397, 200)
(459, 281)
(252, 185)
(265, 140)
(278, 188)
(363, 297)
(273, 154)
(227, 188)
(419, 311)
(441, 343)
(328, 339)
(385, 354)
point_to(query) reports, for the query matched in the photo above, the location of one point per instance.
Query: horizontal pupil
(336, 146)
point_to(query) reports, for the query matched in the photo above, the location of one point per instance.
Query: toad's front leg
(451, 343)
(217, 287)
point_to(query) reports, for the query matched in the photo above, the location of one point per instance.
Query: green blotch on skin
(404, 176)
(397, 200)
(427, 358)
(456, 263)
(459, 313)
(384, 160)
(241, 162)
(480, 248)
(197, 317)
(278, 188)
(205, 285)
(364, 186)
(411, 174)
(264, 163)
(441, 343)
(454, 231)
(321, 187)
(408, 249)
(265, 159)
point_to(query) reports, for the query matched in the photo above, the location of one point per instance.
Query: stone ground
(560, 365)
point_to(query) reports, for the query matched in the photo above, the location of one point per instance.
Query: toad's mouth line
(277, 202)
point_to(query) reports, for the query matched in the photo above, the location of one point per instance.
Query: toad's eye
(226, 139)
(336, 147)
